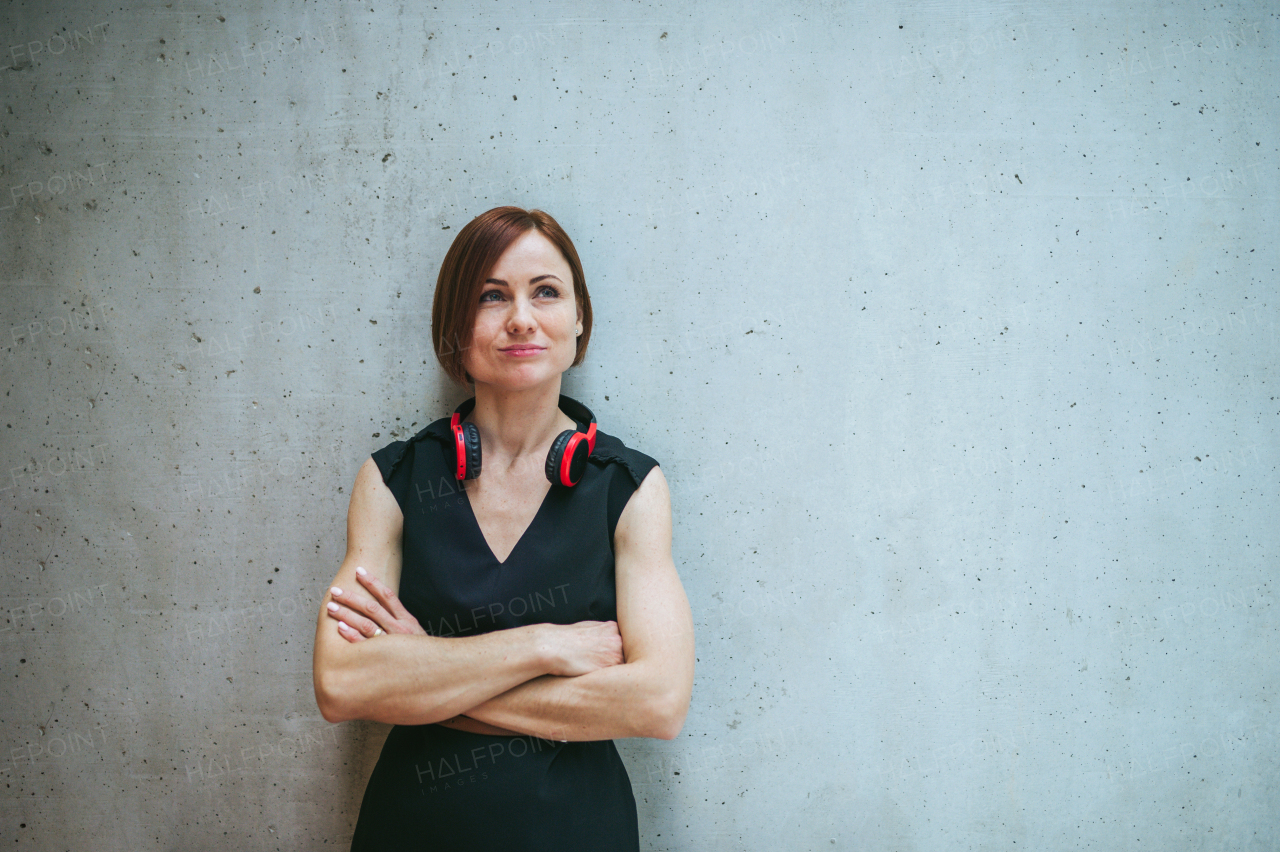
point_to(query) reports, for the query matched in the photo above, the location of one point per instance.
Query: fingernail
(335, 591)
(361, 571)
(333, 607)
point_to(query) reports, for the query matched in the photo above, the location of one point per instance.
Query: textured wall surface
(952, 325)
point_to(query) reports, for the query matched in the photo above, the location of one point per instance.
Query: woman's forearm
(628, 700)
(418, 680)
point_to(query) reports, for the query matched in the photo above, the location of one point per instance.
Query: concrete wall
(952, 325)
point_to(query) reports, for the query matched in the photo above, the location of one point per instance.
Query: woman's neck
(514, 424)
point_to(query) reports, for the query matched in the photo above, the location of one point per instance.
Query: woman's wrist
(541, 639)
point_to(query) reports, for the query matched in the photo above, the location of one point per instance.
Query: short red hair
(474, 253)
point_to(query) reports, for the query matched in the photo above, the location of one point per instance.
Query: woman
(510, 625)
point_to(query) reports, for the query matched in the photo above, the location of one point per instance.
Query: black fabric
(438, 788)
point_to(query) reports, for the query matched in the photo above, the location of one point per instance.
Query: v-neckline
(475, 522)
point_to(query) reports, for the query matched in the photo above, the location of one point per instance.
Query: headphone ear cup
(554, 454)
(567, 459)
(471, 443)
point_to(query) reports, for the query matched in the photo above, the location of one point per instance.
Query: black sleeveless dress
(439, 788)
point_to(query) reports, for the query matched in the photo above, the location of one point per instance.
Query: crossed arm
(586, 681)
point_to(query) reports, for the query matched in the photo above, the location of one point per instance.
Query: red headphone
(566, 460)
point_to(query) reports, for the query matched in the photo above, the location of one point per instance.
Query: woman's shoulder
(611, 450)
(397, 454)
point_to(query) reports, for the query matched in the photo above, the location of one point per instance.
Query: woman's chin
(519, 377)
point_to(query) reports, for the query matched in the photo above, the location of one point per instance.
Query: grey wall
(953, 327)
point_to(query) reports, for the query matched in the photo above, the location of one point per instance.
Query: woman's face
(526, 327)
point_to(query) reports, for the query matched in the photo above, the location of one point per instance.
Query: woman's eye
(544, 290)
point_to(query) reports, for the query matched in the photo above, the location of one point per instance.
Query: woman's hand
(360, 618)
(577, 649)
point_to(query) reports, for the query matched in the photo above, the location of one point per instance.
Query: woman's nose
(521, 314)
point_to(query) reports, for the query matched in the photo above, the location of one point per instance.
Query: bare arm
(648, 695)
(413, 678)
